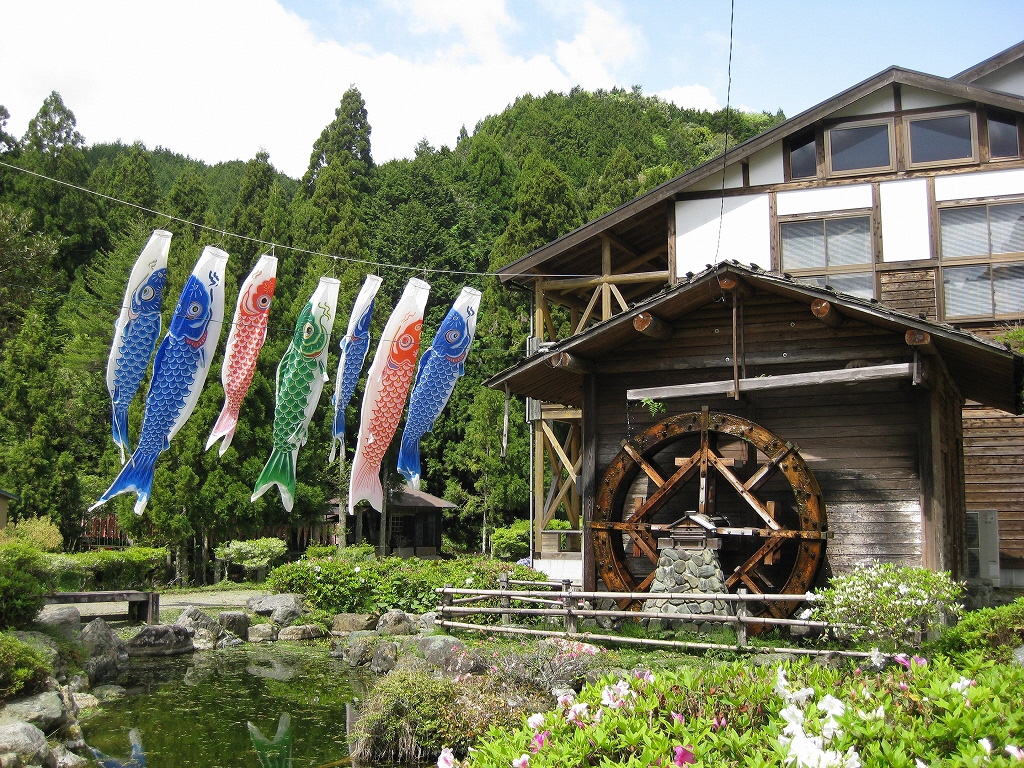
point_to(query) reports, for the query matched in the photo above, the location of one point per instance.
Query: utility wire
(725, 152)
(269, 244)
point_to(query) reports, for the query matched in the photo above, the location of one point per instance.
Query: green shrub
(370, 586)
(352, 553)
(38, 532)
(23, 670)
(513, 541)
(22, 592)
(129, 568)
(252, 554)
(887, 604)
(320, 552)
(992, 631)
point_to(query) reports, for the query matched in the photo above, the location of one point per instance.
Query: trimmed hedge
(995, 632)
(23, 670)
(369, 586)
(22, 591)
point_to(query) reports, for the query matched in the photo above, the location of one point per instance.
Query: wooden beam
(587, 312)
(824, 311)
(606, 270)
(557, 448)
(620, 278)
(559, 412)
(731, 283)
(622, 245)
(921, 341)
(645, 465)
(813, 378)
(652, 326)
(618, 297)
(568, 362)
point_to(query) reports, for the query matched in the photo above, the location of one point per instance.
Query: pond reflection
(192, 710)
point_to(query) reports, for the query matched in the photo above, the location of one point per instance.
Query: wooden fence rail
(569, 608)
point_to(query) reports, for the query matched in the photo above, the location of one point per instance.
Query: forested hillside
(537, 170)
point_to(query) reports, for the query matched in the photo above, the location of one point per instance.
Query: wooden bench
(142, 606)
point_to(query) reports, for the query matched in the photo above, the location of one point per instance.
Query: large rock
(67, 759)
(86, 700)
(109, 692)
(396, 622)
(66, 620)
(235, 622)
(259, 633)
(1018, 656)
(44, 710)
(449, 655)
(108, 655)
(48, 648)
(384, 658)
(282, 609)
(353, 622)
(359, 649)
(427, 620)
(161, 640)
(27, 741)
(193, 618)
(301, 632)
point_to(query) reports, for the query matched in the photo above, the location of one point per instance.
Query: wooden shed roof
(8, 495)
(642, 223)
(985, 371)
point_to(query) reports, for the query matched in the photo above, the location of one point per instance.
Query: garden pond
(192, 710)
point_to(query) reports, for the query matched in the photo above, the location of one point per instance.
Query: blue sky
(219, 79)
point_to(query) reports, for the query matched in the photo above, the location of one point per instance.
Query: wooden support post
(741, 614)
(506, 601)
(649, 325)
(538, 483)
(446, 600)
(671, 244)
(824, 311)
(606, 271)
(568, 362)
(571, 625)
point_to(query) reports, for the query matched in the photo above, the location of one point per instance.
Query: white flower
(535, 721)
(830, 728)
(446, 759)
(962, 685)
(919, 763)
(577, 713)
(566, 699)
(830, 705)
(852, 758)
(877, 657)
(781, 683)
(357, 569)
(522, 762)
(986, 745)
(801, 696)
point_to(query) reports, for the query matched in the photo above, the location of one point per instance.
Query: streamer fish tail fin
(119, 428)
(279, 471)
(224, 428)
(409, 461)
(136, 475)
(365, 484)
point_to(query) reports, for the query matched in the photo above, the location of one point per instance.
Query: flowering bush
(888, 603)
(798, 714)
(994, 631)
(38, 532)
(252, 554)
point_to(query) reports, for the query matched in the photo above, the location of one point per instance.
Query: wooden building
(6, 497)
(901, 202)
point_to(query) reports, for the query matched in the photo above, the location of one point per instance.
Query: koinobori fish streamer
(354, 346)
(439, 369)
(387, 387)
(179, 372)
(301, 376)
(136, 332)
(248, 332)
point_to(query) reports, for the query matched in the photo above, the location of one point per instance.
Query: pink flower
(643, 674)
(522, 762)
(577, 713)
(677, 718)
(684, 755)
(566, 700)
(1016, 752)
(536, 720)
(539, 740)
(903, 686)
(446, 759)
(902, 658)
(920, 661)
(720, 721)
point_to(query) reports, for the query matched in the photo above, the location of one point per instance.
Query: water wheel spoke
(648, 468)
(626, 603)
(746, 495)
(766, 550)
(766, 470)
(657, 499)
(643, 538)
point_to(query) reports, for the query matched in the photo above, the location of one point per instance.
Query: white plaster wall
(733, 179)
(766, 166)
(823, 200)
(918, 98)
(560, 568)
(1009, 79)
(905, 234)
(879, 101)
(986, 184)
(745, 232)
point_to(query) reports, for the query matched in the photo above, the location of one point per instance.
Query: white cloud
(219, 80)
(691, 97)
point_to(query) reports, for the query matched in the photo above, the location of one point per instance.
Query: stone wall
(688, 570)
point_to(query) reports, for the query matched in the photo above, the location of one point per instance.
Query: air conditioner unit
(983, 545)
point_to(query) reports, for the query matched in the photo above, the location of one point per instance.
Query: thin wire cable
(224, 233)
(725, 152)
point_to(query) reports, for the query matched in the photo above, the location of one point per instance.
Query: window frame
(889, 122)
(807, 137)
(989, 260)
(974, 159)
(869, 267)
(1020, 149)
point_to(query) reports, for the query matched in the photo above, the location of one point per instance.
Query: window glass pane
(1002, 136)
(964, 231)
(802, 160)
(849, 241)
(967, 290)
(1008, 280)
(864, 147)
(941, 138)
(803, 245)
(861, 284)
(1007, 228)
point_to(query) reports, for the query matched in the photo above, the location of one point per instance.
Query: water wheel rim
(783, 458)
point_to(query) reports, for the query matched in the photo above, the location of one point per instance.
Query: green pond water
(191, 710)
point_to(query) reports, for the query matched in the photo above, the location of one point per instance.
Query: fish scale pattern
(388, 410)
(133, 357)
(251, 333)
(174, 374)
(292, 397)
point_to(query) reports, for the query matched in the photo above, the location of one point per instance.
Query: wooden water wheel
(769, 525)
